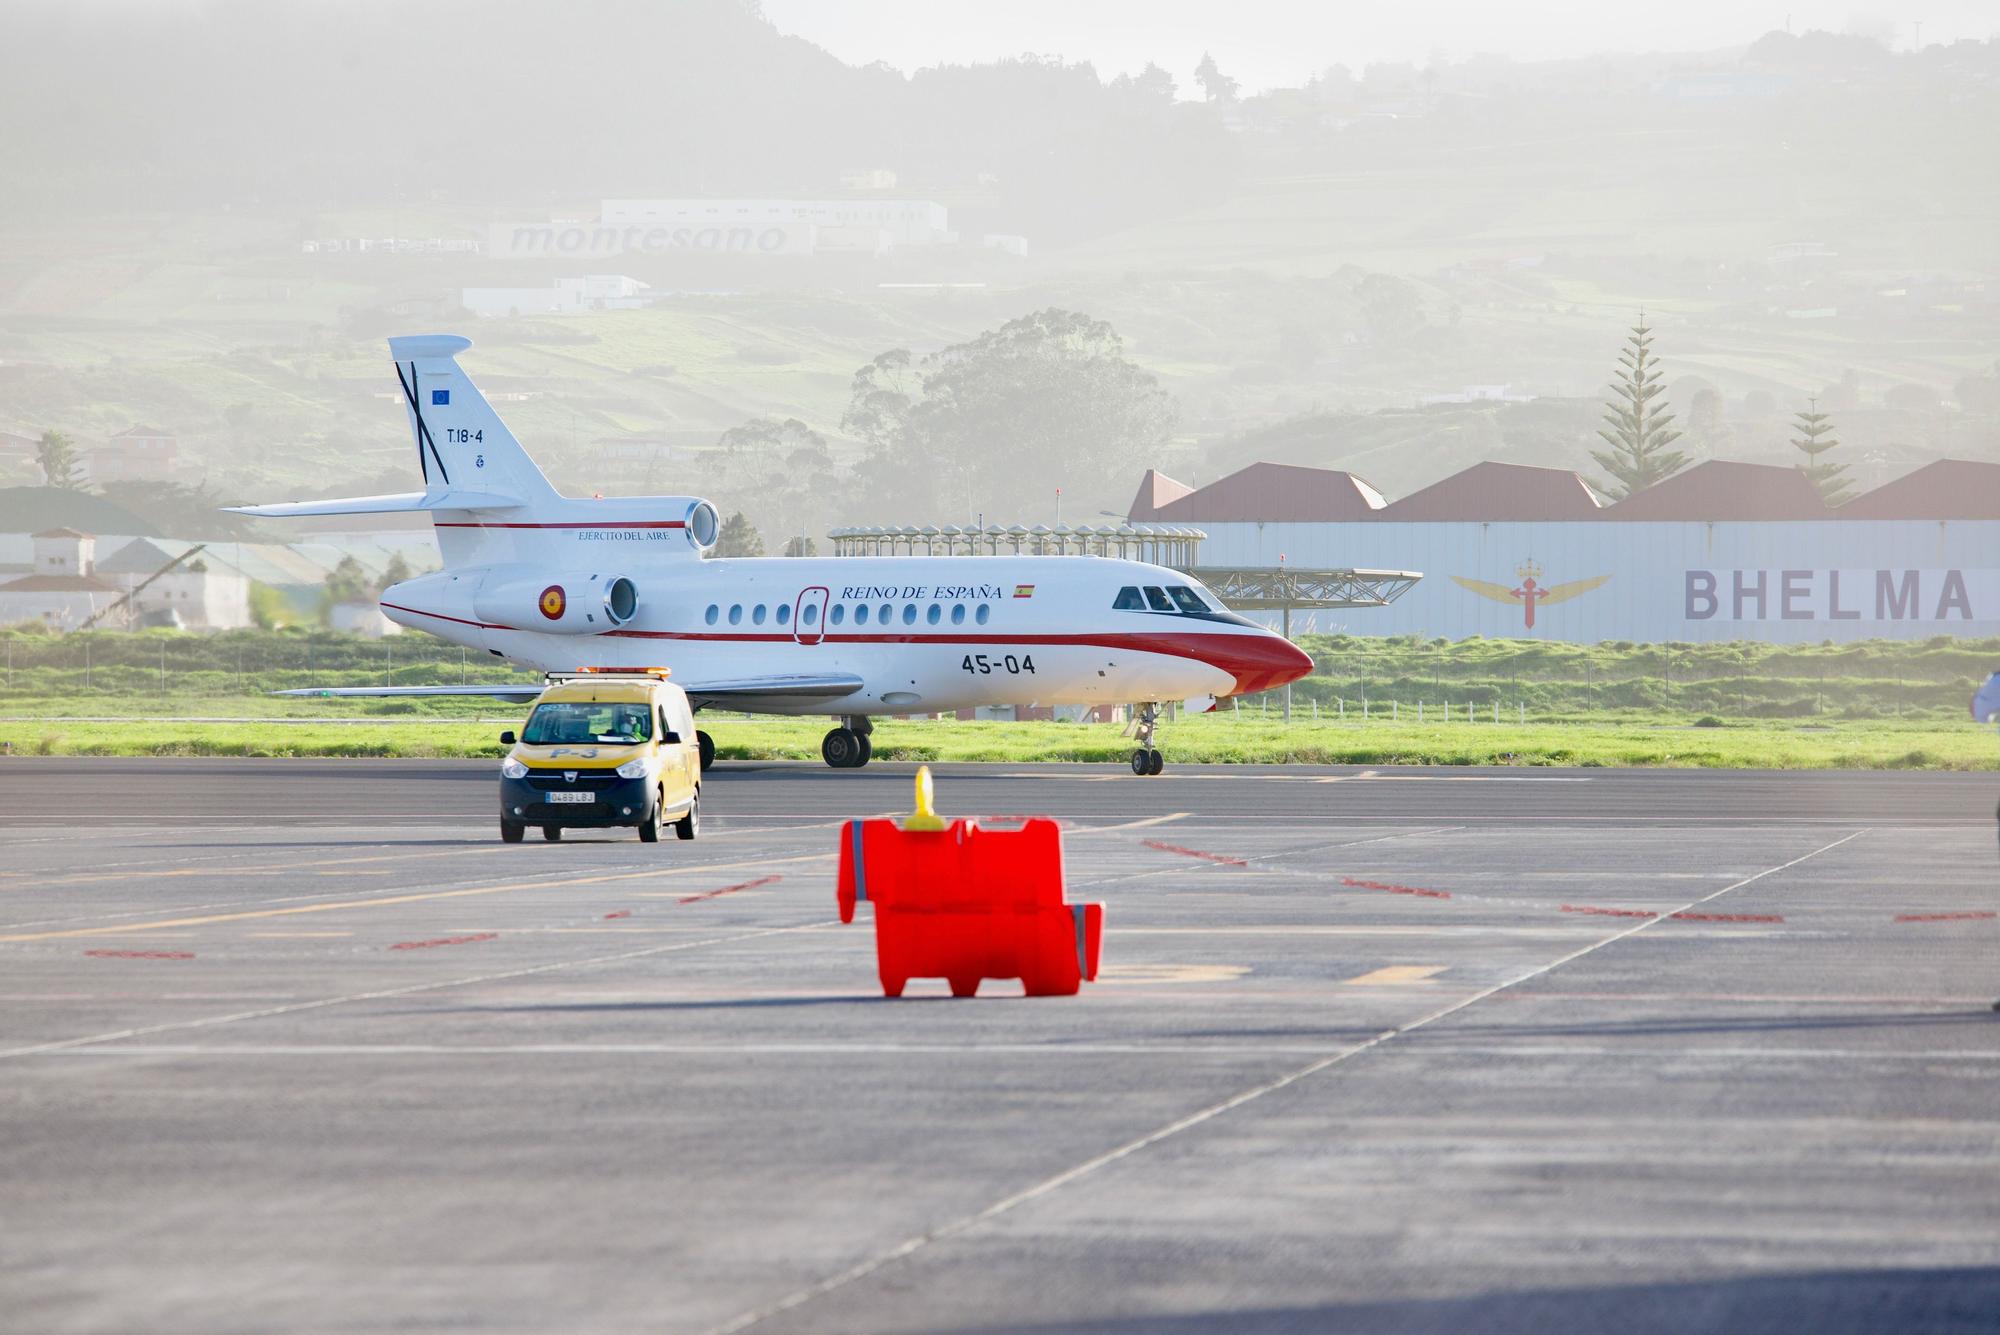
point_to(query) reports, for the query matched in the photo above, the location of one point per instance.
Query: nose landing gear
(848, 747)
(1146, 760)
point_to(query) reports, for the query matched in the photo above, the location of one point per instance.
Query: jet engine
(565, 603)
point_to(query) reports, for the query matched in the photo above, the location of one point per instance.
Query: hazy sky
(1266, 43)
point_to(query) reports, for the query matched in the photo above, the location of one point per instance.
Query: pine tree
(1638, 431)
(1816, 437)
(1215, 85)
(57, 455)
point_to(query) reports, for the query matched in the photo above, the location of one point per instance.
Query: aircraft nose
(1269, 660)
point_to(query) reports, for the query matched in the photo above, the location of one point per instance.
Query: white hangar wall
(1782, 581)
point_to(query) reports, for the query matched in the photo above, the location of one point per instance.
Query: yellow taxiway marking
(1170, 973)
(124, 931)
(640, 929)
(272, 868)
(558, 883)
(1401, 975)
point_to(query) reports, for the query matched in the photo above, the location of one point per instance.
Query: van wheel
(511, 831)
(649, 828)
(688, 826)
(707, 750)
(552, 833)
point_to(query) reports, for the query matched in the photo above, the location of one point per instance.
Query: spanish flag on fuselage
(1024, 590)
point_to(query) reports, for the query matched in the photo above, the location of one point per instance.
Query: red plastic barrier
(966, 904)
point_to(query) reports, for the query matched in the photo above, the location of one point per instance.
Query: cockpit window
(1187, 599)
(558, 721)
(1129, 600)
(1156, 598)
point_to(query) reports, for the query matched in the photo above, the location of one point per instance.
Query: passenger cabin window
(958, 614)
(861, 615)
(736, 614)
(884, 614)
(810, 615)
(784, 614)
(1187, 599)
(757, 615)
(1129, 600)
(1156, 598)
(838, 614)
(934, 614)
(712, 614)
(983, 613)
(909, 614)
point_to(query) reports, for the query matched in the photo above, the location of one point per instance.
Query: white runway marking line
(964, 1223)
(413, 989)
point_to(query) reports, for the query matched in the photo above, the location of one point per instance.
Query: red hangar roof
(1266, 493)
(1719, 489)
(1946, 489)
(1155, 490)
(1497, 493)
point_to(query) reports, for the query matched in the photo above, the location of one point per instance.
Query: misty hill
(1396, 269)
(179, 104)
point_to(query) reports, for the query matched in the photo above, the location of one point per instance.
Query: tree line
(1639, 431)
(997, 425)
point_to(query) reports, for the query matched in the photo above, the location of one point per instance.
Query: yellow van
(603, 748)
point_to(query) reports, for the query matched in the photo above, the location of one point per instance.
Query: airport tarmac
(299, 1045)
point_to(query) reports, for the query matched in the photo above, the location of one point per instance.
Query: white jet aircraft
(558, 583)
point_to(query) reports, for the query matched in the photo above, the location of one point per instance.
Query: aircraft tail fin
(461, 442)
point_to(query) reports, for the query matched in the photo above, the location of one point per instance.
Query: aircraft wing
(745, 691)
(408, 502)
(738, 691)
(505, 690)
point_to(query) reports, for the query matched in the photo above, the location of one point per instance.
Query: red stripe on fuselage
(1259, 661)
(439, 616)
(581, 523)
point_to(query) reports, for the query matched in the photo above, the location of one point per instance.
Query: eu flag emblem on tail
(440, 398)
(1024, 590)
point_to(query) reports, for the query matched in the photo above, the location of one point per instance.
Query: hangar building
(1720, 551)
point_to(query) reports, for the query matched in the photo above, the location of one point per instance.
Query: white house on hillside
(192, 594)
(63, 590)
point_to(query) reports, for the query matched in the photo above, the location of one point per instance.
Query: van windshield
(555, 722)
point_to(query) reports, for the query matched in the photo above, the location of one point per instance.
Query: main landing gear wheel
(841, 749)
(707, 744)
(1147, 759)
(846, 748)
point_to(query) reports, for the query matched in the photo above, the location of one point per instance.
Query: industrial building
(1720, 551)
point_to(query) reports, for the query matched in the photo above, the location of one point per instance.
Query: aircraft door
(809, 616)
